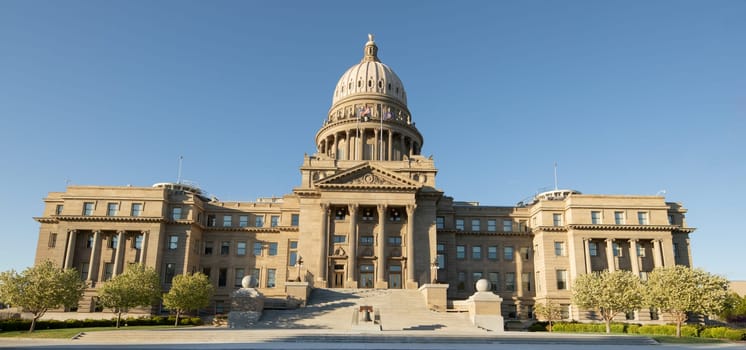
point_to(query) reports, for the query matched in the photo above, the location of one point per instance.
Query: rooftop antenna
(178, 174)
(555, 176)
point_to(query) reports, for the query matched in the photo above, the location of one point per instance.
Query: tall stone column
(352, 269)
(93, 261)
(657, 259)
(323, 236)
(401, 147)
(610, 254)
(187, 252)
(348, 145)
(410, 245)
(144, 248)
(70, 252)
(118, 253)
(587, 253)
(375, 145)
(359, 141)
(633, 258)
(389, 153)
(336, 146)
(380, 249)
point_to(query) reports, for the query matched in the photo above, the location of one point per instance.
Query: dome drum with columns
(369, 118)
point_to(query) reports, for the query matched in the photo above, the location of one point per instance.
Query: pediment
(367, 176)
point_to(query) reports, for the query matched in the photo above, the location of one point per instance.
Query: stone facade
(366, 214)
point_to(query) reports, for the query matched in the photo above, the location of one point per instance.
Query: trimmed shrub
(539, 327)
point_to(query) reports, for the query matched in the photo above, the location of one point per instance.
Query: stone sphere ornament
(483, 285)
(248, 282)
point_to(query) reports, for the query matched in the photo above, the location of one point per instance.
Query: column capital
(121, 232)
(410, 209)
(324, 206)
(72, 231)
(145, 232)
(610, 240)
(352, 207)
(96, 232)
(635, 240)
(381, 208)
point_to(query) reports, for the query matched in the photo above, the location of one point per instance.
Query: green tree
(548, 311)
(40, 288)
(188, 292)
(609, 293)
(679, 290)
(137, 286)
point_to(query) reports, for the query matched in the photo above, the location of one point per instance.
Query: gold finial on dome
(370, 54)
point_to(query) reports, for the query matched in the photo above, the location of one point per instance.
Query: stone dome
(370, 76)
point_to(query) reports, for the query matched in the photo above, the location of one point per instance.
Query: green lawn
(70, 332)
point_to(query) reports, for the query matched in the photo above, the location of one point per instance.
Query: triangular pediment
(367, 176)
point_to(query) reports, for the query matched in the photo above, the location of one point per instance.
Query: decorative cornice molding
(276, 229)
(609, 227)
(483, 233)
(57, 218)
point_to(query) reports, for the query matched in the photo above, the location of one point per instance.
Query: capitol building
(366, 213)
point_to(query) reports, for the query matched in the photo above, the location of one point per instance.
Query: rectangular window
(491, 225)
(561, 279)
(476, 252)
(461, 286)
(58, 209)
(257, 274)
(339, 213)
(368, 214)
(138, 242)
(557, 219)
(476, 276)
(507, 225)
(460, 224)
(526, 281)
(441, 250)
(169, 272)
(274, 221)
(257, 249)
(271, 276)
(88, 208)
(136, 209)
(565, 311)
(676, 250)
(593, 248)
(440, 222)
(108, 271)
(241, 248)
(84, 271)
(642, 217)
(366, 240)
(173, 242)
(596, 217)
(559, 248)
(510, 281)
(294, 219)
(476, 225)
(225, 247)
(243, 221)
(670, 219)
(208, 247)
(112, 209)
(52, 240)
(460, 252)
(619, 217)
(640, 250)
(292, 258)
(494, 278)
(272, 248)
(222, 277)
(525, 253)
(616, 249)
(227, 220)
(259, 221)
(394, 240)
(114, 242)
(211, 220)
(238, 277)
(508, 253)
(654, 314)
(338, 239)
(176, 213)
(492, 252)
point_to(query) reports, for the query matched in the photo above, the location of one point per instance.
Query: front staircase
(334, 309)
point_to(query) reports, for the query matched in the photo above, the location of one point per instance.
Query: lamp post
(300, 265)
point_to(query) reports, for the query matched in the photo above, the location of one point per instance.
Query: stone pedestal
(485, 308)
(298, 291)
(246, 305)
(436, 296)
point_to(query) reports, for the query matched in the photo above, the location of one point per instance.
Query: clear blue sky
(628, 97)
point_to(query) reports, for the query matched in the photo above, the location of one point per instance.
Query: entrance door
(395, 276)
(366, 276)
(338, 280)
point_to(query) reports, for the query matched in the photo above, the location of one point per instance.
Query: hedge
(669, 330)
(23, 325)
